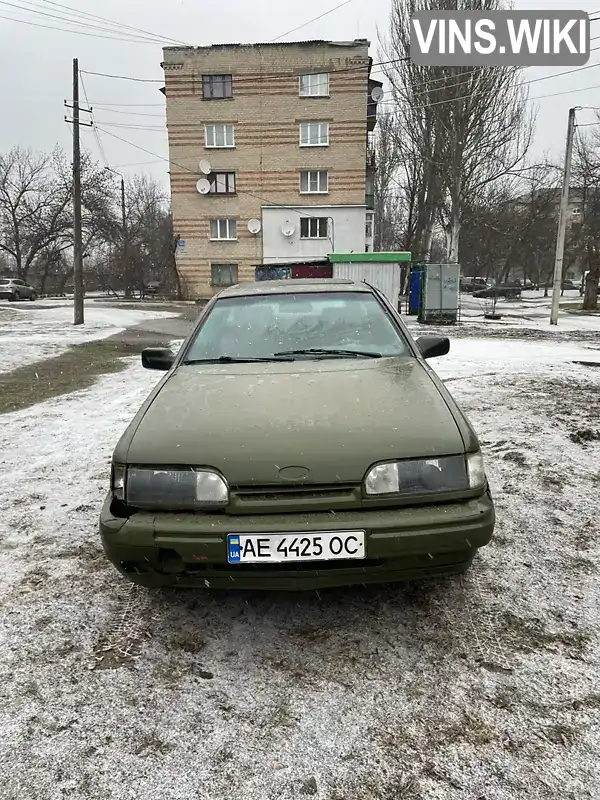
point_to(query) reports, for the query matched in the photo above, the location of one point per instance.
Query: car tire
(33, 296)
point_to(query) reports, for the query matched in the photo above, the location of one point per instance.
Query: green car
(299, 440)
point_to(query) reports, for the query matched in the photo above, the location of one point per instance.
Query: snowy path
(449, 690)
(30, 332)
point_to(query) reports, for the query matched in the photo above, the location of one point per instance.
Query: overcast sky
(36, 65)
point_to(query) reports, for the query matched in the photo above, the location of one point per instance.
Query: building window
(369, 227)
(576, 212)
(223, 274)
(313, 227)
(222, 183)
(314, 182)
(220, 135)
(216, 87)
(223, 229)
(314, 85)
(314, 134)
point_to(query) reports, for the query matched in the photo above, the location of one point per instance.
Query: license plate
(274, 548)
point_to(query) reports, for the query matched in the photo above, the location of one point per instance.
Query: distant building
(270, 160)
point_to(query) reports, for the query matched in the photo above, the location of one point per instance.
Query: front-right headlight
(476, 471)
(417, 476)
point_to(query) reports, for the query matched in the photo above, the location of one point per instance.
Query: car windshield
(262, 326)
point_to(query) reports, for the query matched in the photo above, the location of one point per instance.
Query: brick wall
(266, 111)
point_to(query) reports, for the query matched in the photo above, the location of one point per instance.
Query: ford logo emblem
(294, 473)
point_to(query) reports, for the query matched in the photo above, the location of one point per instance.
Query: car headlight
(175, 489)
(117, 480)
(423, 476)
(476, 471)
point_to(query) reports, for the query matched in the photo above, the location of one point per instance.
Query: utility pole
(77, 241)
(125, 240)
(125, 251)
(562, 220)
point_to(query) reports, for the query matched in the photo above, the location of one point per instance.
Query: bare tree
(33, 206)
(464, 128)
(387, 206)
(583, 241)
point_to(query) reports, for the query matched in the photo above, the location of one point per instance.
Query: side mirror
(157, 358)
(432, 346)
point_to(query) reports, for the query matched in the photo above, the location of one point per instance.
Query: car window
(259, 326)
(19, 282)
(4, 281)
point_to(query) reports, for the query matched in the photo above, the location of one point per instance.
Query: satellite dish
(203, 186)
(254, 225)
(205, 167)
(287, 228)
(377, 94)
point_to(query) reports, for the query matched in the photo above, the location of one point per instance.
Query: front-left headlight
(175, 489)
(425, 476)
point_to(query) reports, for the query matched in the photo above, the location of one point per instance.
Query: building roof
(305, 43)
(297, 286)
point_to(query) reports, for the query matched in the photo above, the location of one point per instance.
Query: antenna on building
(205, 167)
(203, 186)
(377, 94)
(287, 228)
(254, 226)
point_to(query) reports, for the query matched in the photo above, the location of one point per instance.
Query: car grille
(294, 498)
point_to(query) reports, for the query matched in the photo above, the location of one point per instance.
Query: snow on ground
(30, 332)
(444, 690)
(532, 310)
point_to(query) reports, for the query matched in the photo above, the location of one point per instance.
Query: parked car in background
(468, 284)
(506, 290)
(569, 285)
(581, 286)
(152, 289)
(15, 289)
(299, 439)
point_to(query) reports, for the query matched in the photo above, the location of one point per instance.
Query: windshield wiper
(234, 360)
(319, 351)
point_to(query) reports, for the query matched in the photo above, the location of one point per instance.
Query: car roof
(297, 286)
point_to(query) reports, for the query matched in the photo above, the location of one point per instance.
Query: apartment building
(269, 155)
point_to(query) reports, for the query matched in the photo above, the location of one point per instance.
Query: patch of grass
(531, 634)
(584, 435)
(580, 564)
(76, 369)
(515, 456)
(188, 641)
(151, 743)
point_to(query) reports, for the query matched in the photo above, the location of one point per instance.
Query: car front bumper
(188, 550)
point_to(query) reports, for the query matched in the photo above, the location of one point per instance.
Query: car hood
(331, 418)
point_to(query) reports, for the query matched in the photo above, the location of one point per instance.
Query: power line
(96, 134)
(77, 33)
(294, 73)
(160, 128)
(304, 24)
(107, 110)
(128, 105)
(124, 77)
(34, 9)
(118, 24)
(524, 83)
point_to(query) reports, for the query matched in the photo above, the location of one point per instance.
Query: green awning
(365, 258)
